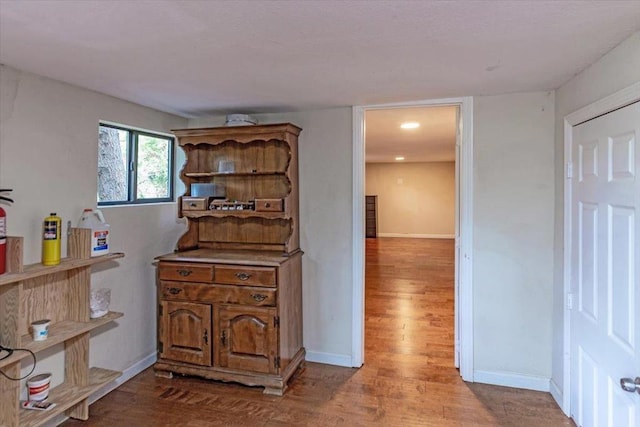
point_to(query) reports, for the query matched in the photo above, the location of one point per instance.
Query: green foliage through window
(133, 166)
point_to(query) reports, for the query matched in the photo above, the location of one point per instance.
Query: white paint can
(38, 387)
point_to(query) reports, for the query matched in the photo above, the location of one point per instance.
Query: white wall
(48, 155)
(616, 70)
(414, 199)
(513, 223)
(326, 229)
(513, 237)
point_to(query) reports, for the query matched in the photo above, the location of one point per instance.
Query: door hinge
(160, 347)
(160, 310)
(276, 362)
(276, 322)
(570, 301)
(569, 169)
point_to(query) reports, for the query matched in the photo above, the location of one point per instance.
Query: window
(134, 166)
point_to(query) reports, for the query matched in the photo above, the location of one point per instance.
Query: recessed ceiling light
(410, 125)
(399, 158)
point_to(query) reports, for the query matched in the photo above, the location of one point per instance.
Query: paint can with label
(38, 387)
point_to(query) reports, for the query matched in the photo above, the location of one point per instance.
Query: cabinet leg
(275, 391)
(299, 370)
(164, 374)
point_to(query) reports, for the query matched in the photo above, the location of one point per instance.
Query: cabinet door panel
(186, 331)
(248, 339)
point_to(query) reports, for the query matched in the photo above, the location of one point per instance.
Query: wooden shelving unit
(59, 293)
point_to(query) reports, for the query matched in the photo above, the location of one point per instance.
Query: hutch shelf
(59, 293)
(230, 297)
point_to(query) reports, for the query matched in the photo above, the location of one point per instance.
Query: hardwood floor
(408, 378)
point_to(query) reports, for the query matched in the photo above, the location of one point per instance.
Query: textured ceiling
(195, 58)
(433, 141)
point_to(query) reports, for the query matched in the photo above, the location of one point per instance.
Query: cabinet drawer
(269, 205)
(186, 272)
(245, 295)
(195, 203)
(250, 276)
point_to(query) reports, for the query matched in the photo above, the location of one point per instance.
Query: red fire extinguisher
(3, 234)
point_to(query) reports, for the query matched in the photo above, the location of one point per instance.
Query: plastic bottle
(51, 239)
(93, 219)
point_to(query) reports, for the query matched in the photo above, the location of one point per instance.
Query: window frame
(132, 164)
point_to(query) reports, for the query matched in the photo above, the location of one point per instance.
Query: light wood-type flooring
(408, 378)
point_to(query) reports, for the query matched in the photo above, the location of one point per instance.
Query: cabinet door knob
(258, 297)
(206, 337)
(243, 276)
(175, 291)
(184, 273)
(223, 338)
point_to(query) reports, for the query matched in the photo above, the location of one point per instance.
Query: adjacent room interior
(410, 187)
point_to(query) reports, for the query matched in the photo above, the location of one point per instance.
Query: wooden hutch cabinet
(230, 297)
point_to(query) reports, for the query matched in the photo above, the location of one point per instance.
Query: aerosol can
(51, 239)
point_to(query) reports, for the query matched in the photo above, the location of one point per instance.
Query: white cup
(40, 329)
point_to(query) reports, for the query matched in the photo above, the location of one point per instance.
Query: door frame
(464, 264)
(617, 100)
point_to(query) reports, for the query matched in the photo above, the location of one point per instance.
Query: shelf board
(58, 332)
(66, 396)
(211, 174)
(239, 214)
(32, 271)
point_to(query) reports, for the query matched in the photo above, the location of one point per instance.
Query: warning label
(101, 241)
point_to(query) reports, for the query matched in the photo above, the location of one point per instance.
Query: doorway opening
(410, 206)
(463, 311)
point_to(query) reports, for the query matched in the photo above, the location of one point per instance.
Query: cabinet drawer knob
(175, 291)
(258, 297)
(243, 276)
(184, 273)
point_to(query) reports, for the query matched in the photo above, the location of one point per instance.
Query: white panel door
(605, 269)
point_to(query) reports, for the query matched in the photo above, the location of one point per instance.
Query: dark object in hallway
(371, 216)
